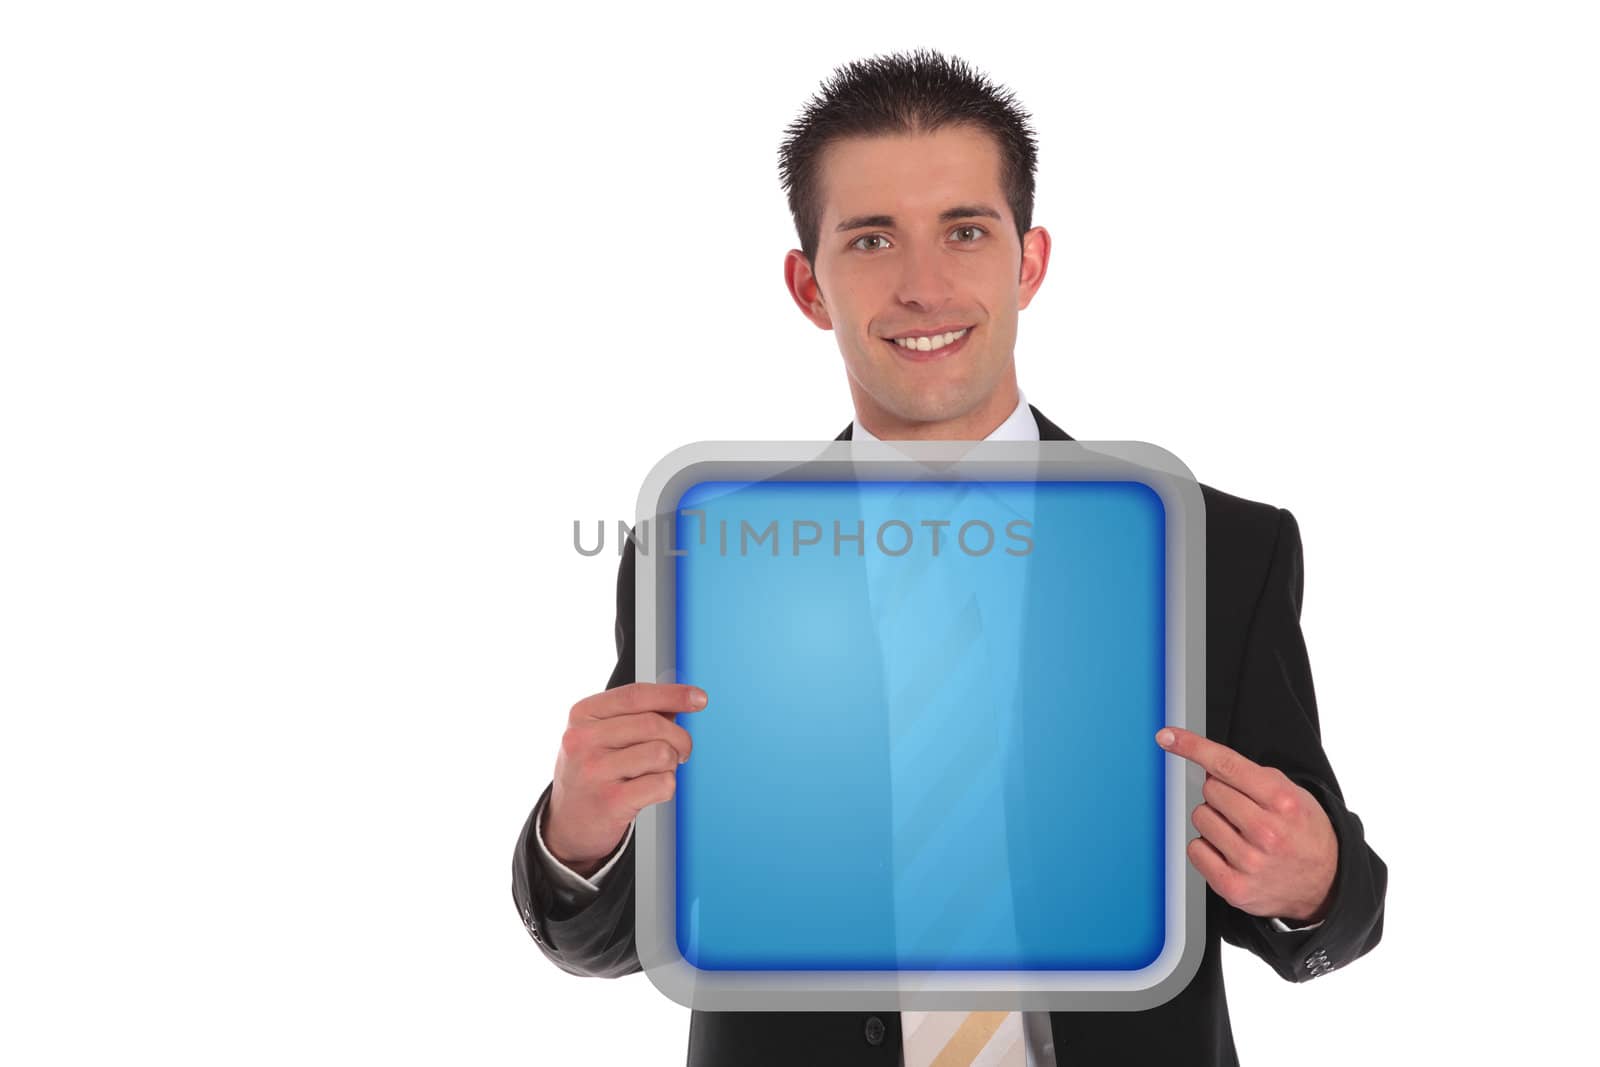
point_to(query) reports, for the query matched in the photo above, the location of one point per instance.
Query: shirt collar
(1019, 426)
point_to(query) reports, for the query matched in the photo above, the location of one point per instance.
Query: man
(910, 179)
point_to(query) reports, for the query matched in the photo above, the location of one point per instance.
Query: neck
(974, 425)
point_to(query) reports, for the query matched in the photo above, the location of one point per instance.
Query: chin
(935, 398)
(937, 408)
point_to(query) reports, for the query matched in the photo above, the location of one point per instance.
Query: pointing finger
(1250, 818)
(1251, 779)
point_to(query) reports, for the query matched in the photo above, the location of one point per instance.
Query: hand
(620, 753)
(1266, 845)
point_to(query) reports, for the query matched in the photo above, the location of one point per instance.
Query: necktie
(963, 1039)
(954, 655)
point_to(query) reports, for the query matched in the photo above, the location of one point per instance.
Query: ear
(1035, 261)
(803, 287)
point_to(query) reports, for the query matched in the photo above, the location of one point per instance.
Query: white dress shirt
(1018, 426)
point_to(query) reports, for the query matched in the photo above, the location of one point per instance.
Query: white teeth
(929, 344)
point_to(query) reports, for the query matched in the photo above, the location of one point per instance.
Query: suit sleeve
(583, 932)
(1275, 724)
(581, 888)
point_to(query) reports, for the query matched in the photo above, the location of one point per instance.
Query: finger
(649, 789)
(628, 730)
(1251, 779)
(639, 697)
(1225, 838)
(1215, 870)
(652, 757)
(1245, 814)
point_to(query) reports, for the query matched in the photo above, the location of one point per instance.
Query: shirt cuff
(1284, 928)
(565, 876)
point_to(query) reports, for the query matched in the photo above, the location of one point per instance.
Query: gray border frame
(655, 881)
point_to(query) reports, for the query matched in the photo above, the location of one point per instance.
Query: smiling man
(911, 182)
(916, 270)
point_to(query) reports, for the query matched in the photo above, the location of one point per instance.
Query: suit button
(875, 1030)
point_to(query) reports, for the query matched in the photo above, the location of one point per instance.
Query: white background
(323, 321)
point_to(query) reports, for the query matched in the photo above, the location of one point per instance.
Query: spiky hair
(904, 93)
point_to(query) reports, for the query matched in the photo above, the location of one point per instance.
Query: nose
(925, 283)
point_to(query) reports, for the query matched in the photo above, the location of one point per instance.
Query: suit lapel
(1048, 431)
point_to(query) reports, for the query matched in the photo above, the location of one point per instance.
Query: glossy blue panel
(918, 755)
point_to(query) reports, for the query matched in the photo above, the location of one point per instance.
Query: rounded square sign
(927, 776)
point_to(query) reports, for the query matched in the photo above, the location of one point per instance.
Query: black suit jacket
(1259, 701)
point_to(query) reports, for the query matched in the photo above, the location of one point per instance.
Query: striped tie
(914, 593)
(963, 1039)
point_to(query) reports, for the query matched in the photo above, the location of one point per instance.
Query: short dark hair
(904, 93)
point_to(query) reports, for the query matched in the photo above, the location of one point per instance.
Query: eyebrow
(960, 211)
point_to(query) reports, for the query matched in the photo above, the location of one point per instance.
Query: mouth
(930, 348)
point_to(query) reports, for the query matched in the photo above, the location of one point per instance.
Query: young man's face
(916, 238)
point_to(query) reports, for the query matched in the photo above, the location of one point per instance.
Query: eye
(976, 230)
(869, 237)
